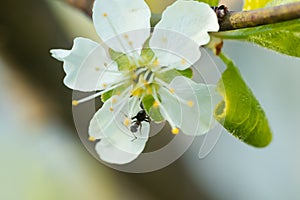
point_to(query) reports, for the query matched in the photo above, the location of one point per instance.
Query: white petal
(85, 66)
(118, 144)
(183, 28)
(192, 120)
(123, 25)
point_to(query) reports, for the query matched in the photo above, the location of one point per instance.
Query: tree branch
(270, 15)
(232, 20)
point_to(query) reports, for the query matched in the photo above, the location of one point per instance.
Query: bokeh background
(43, 158)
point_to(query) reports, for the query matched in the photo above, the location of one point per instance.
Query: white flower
(135, 70)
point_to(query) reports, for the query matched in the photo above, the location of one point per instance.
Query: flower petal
(123, 25)
(118, 144)
(183, 28)
(189, 105)
(86, 66)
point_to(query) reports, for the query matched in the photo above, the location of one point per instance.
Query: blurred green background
(43, 158)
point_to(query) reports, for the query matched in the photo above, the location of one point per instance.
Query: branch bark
(232, 20)
(270, 15)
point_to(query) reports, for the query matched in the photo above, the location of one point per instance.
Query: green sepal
(210, 2)
(122, 60)
(187, 72)
(169, 75)
(239, 111)
(282, 37)
(147, 54)
(107, 95)
(154, 113)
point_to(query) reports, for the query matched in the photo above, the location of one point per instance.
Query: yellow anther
(104, 85)
(118, 93)
(92, 139)
(114, 100)
(130, 43)
(156, 63)
(137, 92)
(149, 90)
(104, 14)
(97, 69)
(183, 61)
(175, 131)
(105, 64)
(134, 76)
(127, 121)
(111, 109)
(74, 103)
(125, 36)
(172, 90)
(164, 39)
(190, 103)
(156, 104)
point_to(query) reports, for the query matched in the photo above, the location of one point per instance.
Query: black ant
(140, 117)
(221, 12)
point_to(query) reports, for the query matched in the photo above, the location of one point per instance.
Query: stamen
(111, 109)
(74, 102)
(127, 121)
(135, 54)
(92, 139)
(190, 103)
(149, 76)
(175, 131)
(137, 92)
(93, 96)
(172, 90)
(114, 100)
(183, 61)
(149, 90)
(156, 104)
(156, 63)
(134, 104)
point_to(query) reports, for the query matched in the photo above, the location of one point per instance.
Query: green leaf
(254, 4)
(281, 37)
(122, 60)
(240, 112)
(210, 2)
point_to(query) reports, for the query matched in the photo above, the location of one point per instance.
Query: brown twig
(84, 5)
(269, 15)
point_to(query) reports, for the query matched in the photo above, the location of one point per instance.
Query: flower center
(142, 79)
